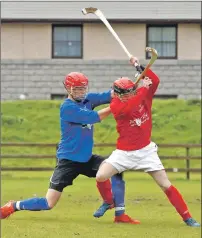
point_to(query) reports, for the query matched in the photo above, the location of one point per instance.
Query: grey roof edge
(95, 1)
(112, 10)
(81, 21)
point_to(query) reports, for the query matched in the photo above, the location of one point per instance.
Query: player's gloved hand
(139, 69)
(142, 68)
(134, 61)
(147, 82)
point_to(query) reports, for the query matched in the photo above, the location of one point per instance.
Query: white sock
(17, 205)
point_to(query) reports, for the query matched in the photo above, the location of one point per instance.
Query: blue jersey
(76, 123)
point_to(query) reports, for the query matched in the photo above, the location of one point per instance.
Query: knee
(161, 179)
(100, 177)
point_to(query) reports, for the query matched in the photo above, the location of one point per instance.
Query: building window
(164, 40)
(166, 96)
(67, 41)
(58, 96)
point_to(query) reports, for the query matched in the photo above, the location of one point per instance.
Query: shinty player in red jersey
(131, 108)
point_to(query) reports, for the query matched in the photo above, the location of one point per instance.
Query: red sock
(105, 190)
(178, 202)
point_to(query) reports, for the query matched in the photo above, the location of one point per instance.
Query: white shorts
(145, 159)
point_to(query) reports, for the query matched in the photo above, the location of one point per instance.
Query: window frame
(176, 37)
(52, 41)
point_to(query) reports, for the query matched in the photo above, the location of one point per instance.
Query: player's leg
(113, 167)
(90, 169)
(39, 203)
(116, 163)
(174, 196)
(63, 175)
(105, 172)
(153, 165)
(31, 204)
(118, 189)
(149, 162)
(53, 197)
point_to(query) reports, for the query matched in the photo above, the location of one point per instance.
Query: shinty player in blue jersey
(74, 151)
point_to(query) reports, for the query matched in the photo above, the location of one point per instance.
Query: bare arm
(103, 113)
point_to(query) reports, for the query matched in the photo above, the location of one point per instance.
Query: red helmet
(124, 85)
(75, 79)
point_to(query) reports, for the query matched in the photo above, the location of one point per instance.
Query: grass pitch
(174, 121)
(72, 217)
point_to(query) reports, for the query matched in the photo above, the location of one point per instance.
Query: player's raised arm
(155, 82)
(150, 74)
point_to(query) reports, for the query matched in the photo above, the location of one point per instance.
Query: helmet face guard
(78, 93)
(124, 94)
(76, 85)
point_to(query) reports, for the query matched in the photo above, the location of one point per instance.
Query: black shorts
(66, 171)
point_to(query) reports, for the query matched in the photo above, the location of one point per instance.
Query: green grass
(174, 121)
(72, 217)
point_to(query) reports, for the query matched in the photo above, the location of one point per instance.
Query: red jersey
(133, 117)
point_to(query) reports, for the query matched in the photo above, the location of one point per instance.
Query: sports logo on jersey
(84, 108)
(139, 121)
